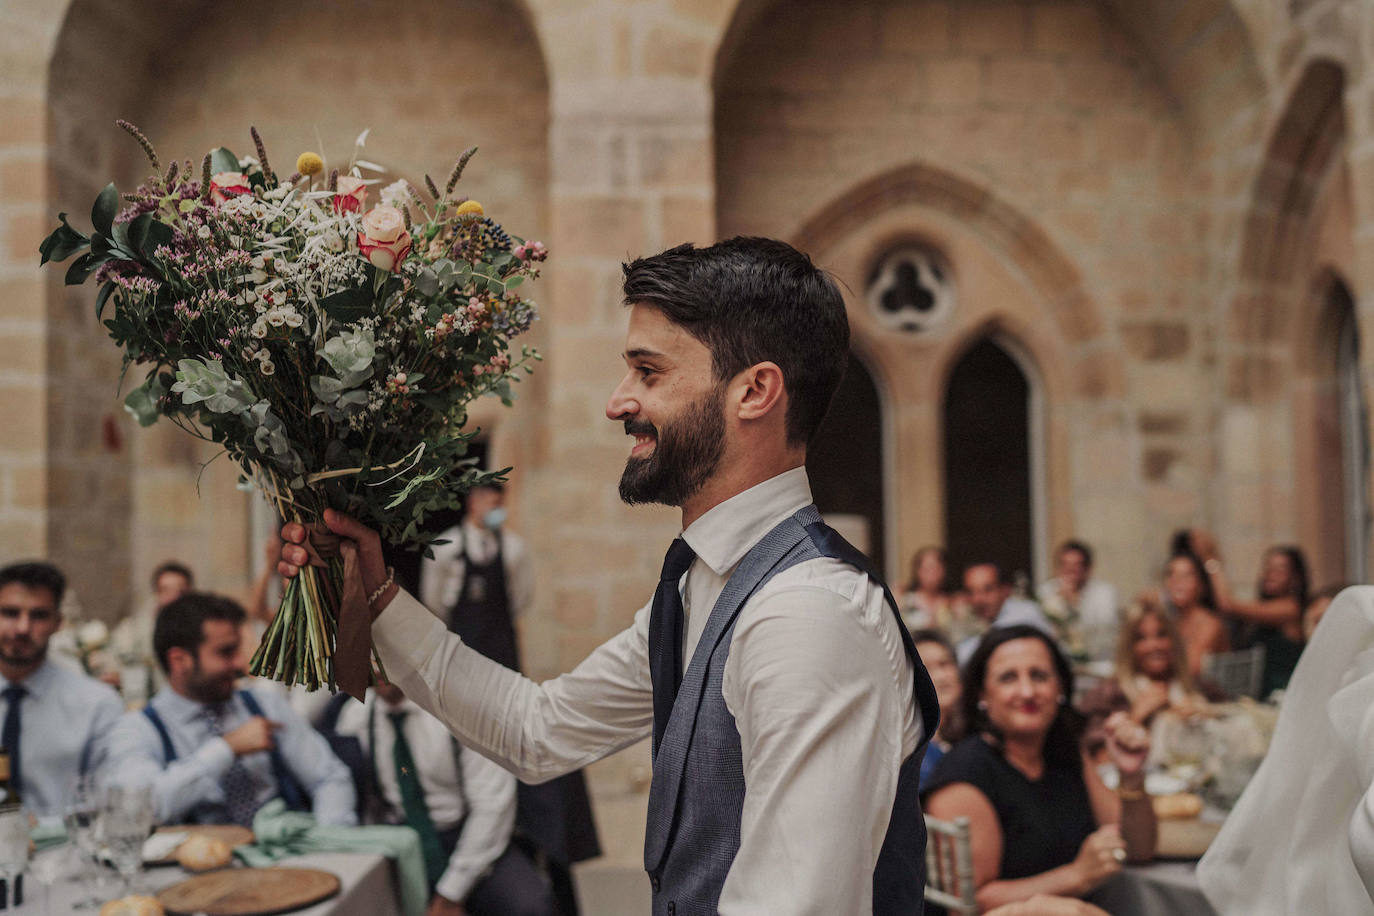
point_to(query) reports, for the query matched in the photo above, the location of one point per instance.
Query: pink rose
(224, 185)
(350, 195)
(383, 240)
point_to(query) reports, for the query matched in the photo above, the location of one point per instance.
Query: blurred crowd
(1058, 702)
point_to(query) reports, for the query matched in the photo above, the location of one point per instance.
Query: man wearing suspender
(213, 754)
(788, 709)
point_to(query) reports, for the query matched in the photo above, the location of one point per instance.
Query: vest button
(655, 883)
(672, 908)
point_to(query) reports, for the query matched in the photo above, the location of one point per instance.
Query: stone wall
(1118, 180)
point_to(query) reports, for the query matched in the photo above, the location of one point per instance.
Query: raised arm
(538, 731)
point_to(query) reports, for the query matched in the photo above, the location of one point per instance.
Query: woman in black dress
(1041, 820)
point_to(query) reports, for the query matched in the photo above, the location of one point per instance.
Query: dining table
(367, 885)
(1161, 888)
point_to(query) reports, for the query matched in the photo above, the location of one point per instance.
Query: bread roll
(132, 906)
(202, 852)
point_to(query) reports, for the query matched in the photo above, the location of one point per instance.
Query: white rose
(384, 223)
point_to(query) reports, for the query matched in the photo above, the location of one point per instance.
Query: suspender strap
(168, 752)
(287, 784)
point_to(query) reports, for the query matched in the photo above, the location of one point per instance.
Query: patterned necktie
(413, 800)
(665, 635)
(10, 734)
(238, 782)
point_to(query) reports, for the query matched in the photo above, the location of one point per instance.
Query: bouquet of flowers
(330, 347)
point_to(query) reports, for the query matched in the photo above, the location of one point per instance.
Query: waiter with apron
(481, 581)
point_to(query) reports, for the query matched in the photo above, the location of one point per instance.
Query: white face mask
(494, 518)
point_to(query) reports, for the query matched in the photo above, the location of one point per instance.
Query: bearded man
(788, 708)
(213, 754)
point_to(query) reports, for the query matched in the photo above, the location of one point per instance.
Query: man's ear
(179, 659)
(760, 391)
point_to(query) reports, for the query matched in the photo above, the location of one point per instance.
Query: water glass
(81, 818)
(125, 821)
(48, 866)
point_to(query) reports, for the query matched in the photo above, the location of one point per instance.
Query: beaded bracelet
(390, 581)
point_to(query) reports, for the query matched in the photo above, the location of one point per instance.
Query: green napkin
(279, 833)
(47, 835)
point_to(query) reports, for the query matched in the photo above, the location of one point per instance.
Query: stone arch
(1002, 228)
(1306, 142)
(195, 77)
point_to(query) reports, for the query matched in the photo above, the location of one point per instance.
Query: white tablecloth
(368, 885)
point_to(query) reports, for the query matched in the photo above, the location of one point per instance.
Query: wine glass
(126, 819)
(81, 818)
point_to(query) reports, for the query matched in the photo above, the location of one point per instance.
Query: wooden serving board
(249, 891)
(232, 834)
(1185, 839)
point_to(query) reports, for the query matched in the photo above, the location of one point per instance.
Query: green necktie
(413, 801)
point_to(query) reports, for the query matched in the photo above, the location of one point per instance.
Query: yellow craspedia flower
(470, 209)
(309, 163)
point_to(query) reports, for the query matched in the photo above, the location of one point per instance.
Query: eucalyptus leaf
(427, 282)
(221, 160)
(142, 401)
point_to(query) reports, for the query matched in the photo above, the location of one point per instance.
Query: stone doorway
(991, 434)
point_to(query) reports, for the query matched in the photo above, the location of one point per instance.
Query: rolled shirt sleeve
(538, 731)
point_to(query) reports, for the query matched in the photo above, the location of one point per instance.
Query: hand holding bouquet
(331, 346)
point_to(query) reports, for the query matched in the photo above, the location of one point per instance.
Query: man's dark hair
(172, 566)
(1002, 577)
(181, 624)
(36, 574)
(751, 300)
(1078, 547)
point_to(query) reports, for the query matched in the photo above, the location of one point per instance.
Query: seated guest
(53, 716)
(1151, 674)
(924, 602)
(131, 641)
(1041, 820)
(1317, 607)
(1275, 615)
(1086, 605)
(992, 603)
(938, 656)
(1189, 592)
(461, 804)
(213, 755)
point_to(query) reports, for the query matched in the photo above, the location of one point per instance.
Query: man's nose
(621, 405)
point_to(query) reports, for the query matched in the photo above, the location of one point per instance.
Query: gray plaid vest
(697, 794)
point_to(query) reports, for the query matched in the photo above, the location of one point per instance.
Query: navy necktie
(665, 635)
(9, 735)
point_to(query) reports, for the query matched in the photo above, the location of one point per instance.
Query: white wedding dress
(1301, 838)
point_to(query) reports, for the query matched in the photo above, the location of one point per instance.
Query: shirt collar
(37, 682)
(173, 705)
(722, 536)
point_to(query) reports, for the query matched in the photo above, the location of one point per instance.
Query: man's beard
(23, 656)
(209, 690)
(685, 454)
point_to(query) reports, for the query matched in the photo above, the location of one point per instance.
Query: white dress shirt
(488, 789)
(134, 756)
(61, 721)
(817, 680)
(441, 578)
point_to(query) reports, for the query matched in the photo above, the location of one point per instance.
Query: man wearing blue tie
(52, 716)
(210, 752)
(787, 706)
